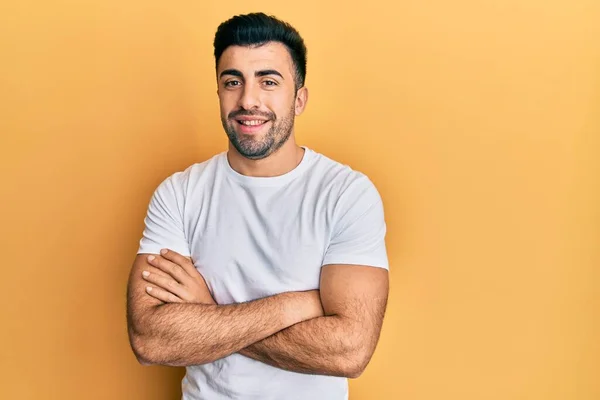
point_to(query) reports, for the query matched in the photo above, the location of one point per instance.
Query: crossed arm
(342, 341)
(183, 326)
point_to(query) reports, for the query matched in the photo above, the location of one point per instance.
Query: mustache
(245, 113)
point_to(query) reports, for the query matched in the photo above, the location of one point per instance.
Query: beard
(256, 148)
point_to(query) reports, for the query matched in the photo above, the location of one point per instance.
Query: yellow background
(479, 122)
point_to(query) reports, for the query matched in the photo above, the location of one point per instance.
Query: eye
(269, 82)
(232, 83)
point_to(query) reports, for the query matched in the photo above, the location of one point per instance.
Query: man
(263, 270)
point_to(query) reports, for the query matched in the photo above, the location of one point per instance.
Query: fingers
(162, 295)
(183, 261)
(154, 270)
(167, 266)
(166, 283)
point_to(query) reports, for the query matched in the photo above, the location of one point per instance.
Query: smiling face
(258, 98)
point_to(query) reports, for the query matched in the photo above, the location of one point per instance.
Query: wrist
(302, 306)
(293, 308)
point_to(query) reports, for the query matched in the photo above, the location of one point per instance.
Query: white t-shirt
(253, 237)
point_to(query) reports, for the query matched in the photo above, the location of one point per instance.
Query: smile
(253, 122)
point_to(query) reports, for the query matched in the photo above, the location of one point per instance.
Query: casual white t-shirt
(253, 237)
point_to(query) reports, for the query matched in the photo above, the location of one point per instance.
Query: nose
(250, 97)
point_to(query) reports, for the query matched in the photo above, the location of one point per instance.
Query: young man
(263, 270)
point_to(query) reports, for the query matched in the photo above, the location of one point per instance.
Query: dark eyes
(266, 82)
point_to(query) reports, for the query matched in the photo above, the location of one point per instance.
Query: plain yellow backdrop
(479, 122)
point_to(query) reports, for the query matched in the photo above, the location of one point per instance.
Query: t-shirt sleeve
(358, 234)
(164, 221)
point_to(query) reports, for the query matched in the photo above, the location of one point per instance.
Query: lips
(251, 126)
(251, 122)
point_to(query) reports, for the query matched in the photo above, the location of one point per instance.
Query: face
(258, 98)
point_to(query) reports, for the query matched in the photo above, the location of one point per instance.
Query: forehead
(271, 55)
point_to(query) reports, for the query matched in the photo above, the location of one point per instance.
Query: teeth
(252, 122)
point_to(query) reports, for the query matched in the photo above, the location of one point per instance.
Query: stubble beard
(256, 148)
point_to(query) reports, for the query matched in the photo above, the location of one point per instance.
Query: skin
(353, 298)
(244, 90)
(192, 333)
(172, 317)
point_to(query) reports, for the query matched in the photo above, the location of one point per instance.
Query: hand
(180, 282)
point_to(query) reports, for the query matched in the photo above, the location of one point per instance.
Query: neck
(285, 159)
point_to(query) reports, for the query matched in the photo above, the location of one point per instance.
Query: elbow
(354, 374)
(145, 346)
(139, 340)
(142, 350)
(353, 371)
(354, 364)
(151, 351)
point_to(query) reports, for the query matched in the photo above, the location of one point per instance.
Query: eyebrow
(263, 72)
(266, 72)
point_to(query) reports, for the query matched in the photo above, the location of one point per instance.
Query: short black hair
(256, 29)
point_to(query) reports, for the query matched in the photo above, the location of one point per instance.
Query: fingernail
(149, 288)
(163, 251)
(150, 258)
(146, 273)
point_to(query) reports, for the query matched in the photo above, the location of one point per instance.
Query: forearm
(327, 345)
(191, 334)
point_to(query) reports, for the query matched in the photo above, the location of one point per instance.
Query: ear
(301, 100)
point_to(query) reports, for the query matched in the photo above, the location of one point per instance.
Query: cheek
(223, 109)
(281, 104)
(226, 103)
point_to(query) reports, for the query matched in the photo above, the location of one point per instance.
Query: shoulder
(343, 182)
(180, 182)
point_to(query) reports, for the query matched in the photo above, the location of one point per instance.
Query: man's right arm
(182, 334)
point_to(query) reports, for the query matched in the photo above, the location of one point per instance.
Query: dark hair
(257, 29)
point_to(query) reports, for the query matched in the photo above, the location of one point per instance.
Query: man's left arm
(353, 290)
(341, 342)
